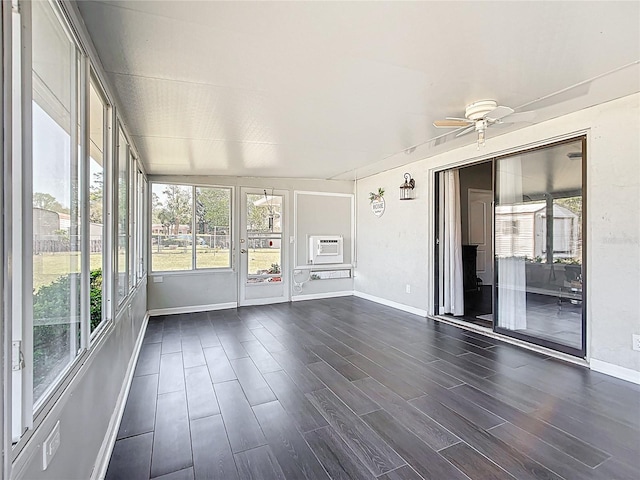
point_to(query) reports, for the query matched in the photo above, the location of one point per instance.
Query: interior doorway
(466, 198)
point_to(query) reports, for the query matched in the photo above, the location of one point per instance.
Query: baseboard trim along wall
(106, 449)
(192, 309)
(617, 371)
(318, 296)
(389, 303)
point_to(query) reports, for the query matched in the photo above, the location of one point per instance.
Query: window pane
(142, 188)
(171, 229)
(213, 227)
(145, 228)
(264, 238)
(538, 244)
(123, 220)
(97, 115)
(56, 187)
(132, 221)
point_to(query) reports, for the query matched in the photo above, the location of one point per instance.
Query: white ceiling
(341, 89)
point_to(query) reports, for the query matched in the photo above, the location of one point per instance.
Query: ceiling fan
(481, 115)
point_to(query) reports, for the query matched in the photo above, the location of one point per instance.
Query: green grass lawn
(47, 267)
(179, 259)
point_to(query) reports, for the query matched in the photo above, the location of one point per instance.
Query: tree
(156, 207)
(257, 217)
(47, 201)
(212, 209)
(96, 198)
(176, 209)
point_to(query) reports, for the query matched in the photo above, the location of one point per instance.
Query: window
(264, 237)
(172, 227)
(97, 122)
(57, 195)
(213, 227)
(188, 234)
(122, 264)
(141, 221)
(133, 220)
(70, 211)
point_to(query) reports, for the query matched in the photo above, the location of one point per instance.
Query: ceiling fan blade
(521, 117)
(466, 130)
(450, 123)
(458, 118)
(498, 113)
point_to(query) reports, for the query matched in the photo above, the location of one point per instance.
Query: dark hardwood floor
(345, 388)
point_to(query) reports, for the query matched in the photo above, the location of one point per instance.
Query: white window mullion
(25, 207)
(194, 223)
(110, 228)
(9, 31)
(85, 220)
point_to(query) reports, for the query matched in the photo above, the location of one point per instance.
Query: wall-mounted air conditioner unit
(325, 249)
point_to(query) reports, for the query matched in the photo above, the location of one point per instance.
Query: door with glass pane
(539, 246)
(262, 248)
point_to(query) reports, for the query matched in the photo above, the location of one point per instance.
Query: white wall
(88, 404)
(396, 249)
(203, 289)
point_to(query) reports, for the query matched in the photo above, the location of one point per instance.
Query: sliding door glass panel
(56, 200)
(538, 246)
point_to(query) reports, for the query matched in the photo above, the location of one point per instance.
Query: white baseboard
(389, 303)
(106, 449)
(192, 309)
(617, 371)
(318, 296)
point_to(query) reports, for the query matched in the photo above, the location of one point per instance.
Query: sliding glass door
(538, 243)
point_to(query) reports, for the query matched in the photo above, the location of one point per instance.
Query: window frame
(194, 269)
(34, 409)
(27, 417)
(121, 136)
(107, 165)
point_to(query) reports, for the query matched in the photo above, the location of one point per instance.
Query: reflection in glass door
(262, 249)
(539, 245)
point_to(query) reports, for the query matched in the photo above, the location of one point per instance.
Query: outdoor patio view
(175, 245)
(264, 237)
(538, 244)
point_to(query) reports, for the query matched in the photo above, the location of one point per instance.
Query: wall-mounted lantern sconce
(406, 189)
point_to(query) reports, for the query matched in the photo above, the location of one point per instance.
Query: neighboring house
(50, 229)
(523, 231)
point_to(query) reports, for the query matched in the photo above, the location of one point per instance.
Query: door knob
(242, 250)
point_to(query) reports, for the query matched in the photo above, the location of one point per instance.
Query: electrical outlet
(636, 342)
(50, 446)
(158, 279)
(407, 288)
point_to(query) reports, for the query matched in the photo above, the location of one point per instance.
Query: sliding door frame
(577, 352)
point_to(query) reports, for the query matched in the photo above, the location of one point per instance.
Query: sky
(51, 158)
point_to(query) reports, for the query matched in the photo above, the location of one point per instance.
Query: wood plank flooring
(348, 389)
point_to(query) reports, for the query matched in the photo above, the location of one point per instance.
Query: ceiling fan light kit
(481, 115)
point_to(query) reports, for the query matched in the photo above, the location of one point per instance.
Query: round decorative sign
(377, 206)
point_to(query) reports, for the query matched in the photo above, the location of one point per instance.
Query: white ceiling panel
(320, 89)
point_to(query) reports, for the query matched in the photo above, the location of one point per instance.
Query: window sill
(200, 271)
